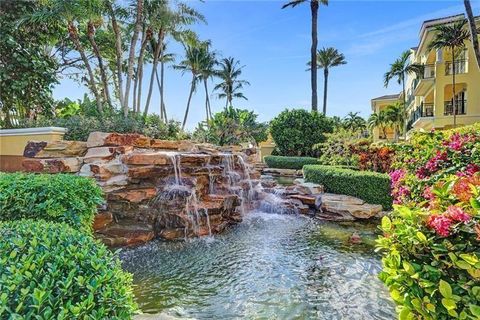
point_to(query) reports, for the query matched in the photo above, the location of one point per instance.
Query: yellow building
(430, 96)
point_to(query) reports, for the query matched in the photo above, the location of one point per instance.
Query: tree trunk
(159, 85)
(131, 56)
(162, 86)
(207, 100)
(404, 109)
(313, 55)
(473, 30)
(73, 33)
(192, 88)
(156, 56)
(454, 104)
(118, 51)
(325, 87)
(101, 66)
(141, 56)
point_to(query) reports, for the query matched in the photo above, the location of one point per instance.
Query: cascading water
(246, 173)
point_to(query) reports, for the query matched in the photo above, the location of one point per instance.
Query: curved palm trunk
(156, 56)
(139, 77)
(207, 101)
(313, 55)
(163, 113)
(73, 33)
(118, 52)
(101, 66)
(131, 56)
(473, 30)
(325, 87)
(192, 88)
(454, 104)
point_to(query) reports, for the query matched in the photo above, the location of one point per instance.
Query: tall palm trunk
(156, 56)
(325, 87)
(207, 101)
(101, 66)
(162, 97)
(404, 109)
(118, 52)
(313, 54)
(454, 104)
(139, 77)
(160, 88)
(192, 88)
(131, 56)
(73, 33)
(473, 30)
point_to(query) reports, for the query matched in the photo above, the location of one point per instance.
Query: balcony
(421, 114)
(460, 67)
(426, 82)
(461, 107)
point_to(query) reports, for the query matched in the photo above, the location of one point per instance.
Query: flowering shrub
(431, 242)
(371, 157)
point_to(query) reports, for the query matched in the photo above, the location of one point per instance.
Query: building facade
(429, 97)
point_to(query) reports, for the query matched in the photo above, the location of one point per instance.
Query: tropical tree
(206, 73)
(394, 117)
(399, 69)
(451, 36)
(164, 59)
(314, 5)
(378, 120)
(354, 122)
(328, 58)
(230, 86)
(474, 32)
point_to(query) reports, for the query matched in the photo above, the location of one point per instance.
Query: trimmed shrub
(51, 271)
(295, 132)
(372, 187)
(335, 151)
(58, 198)
(289, 162)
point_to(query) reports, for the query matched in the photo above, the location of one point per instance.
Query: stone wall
(155, 188)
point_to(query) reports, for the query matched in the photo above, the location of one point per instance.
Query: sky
(274, 46)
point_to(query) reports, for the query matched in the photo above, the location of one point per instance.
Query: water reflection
(269, 267)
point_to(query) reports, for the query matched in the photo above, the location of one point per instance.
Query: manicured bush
(431, 242)
(336, 148)
(372, 187)
(289, 162)
(51, 271)
(295, 132)
(58, 198)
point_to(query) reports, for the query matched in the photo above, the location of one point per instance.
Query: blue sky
(274, 45)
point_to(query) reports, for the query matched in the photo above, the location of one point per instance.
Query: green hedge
(58, 198)
(372, 187)
(289, 162)
(51, 271)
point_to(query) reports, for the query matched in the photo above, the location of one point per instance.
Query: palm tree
(399, 69)
(164, 58)
(207, 73)
(314, 5)
(378, 120)
(230, 86)
(196, 53)
(328, 58)
(473, 30)
(394, 117)
(453, 37)
(354, 122)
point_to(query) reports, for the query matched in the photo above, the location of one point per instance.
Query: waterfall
(176, 161)
(246, 174)
(208, 222)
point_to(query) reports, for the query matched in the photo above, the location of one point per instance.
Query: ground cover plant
(281, 162)
(431, 242)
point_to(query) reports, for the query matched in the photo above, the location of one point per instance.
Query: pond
(270, 266)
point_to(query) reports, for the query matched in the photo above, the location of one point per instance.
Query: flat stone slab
(283, 172)
(349, 206)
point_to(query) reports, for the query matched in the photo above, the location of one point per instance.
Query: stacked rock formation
(155, 188)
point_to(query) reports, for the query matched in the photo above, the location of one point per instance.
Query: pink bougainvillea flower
(428, 194)
(435, 163)
(471, 169)
(457, 214)
(422, 173)
(440, 223)
(396, 176)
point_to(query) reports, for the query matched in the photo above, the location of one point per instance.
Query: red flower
(457, 214)
(440, 223)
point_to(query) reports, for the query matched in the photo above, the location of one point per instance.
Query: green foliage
(27, 71)
(232, 126)
(51, 271)
(295, 132)
(372, 187)
(336, 148)
(58, 198)
(79, 127)
(431, 252)
(289, 162)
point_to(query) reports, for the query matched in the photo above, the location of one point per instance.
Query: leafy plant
(52, 271)
(372, 187)
(289, 162)
(336, 148)
(295, 132)
(58, 198)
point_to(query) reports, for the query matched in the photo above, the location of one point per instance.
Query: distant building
(429, 97)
